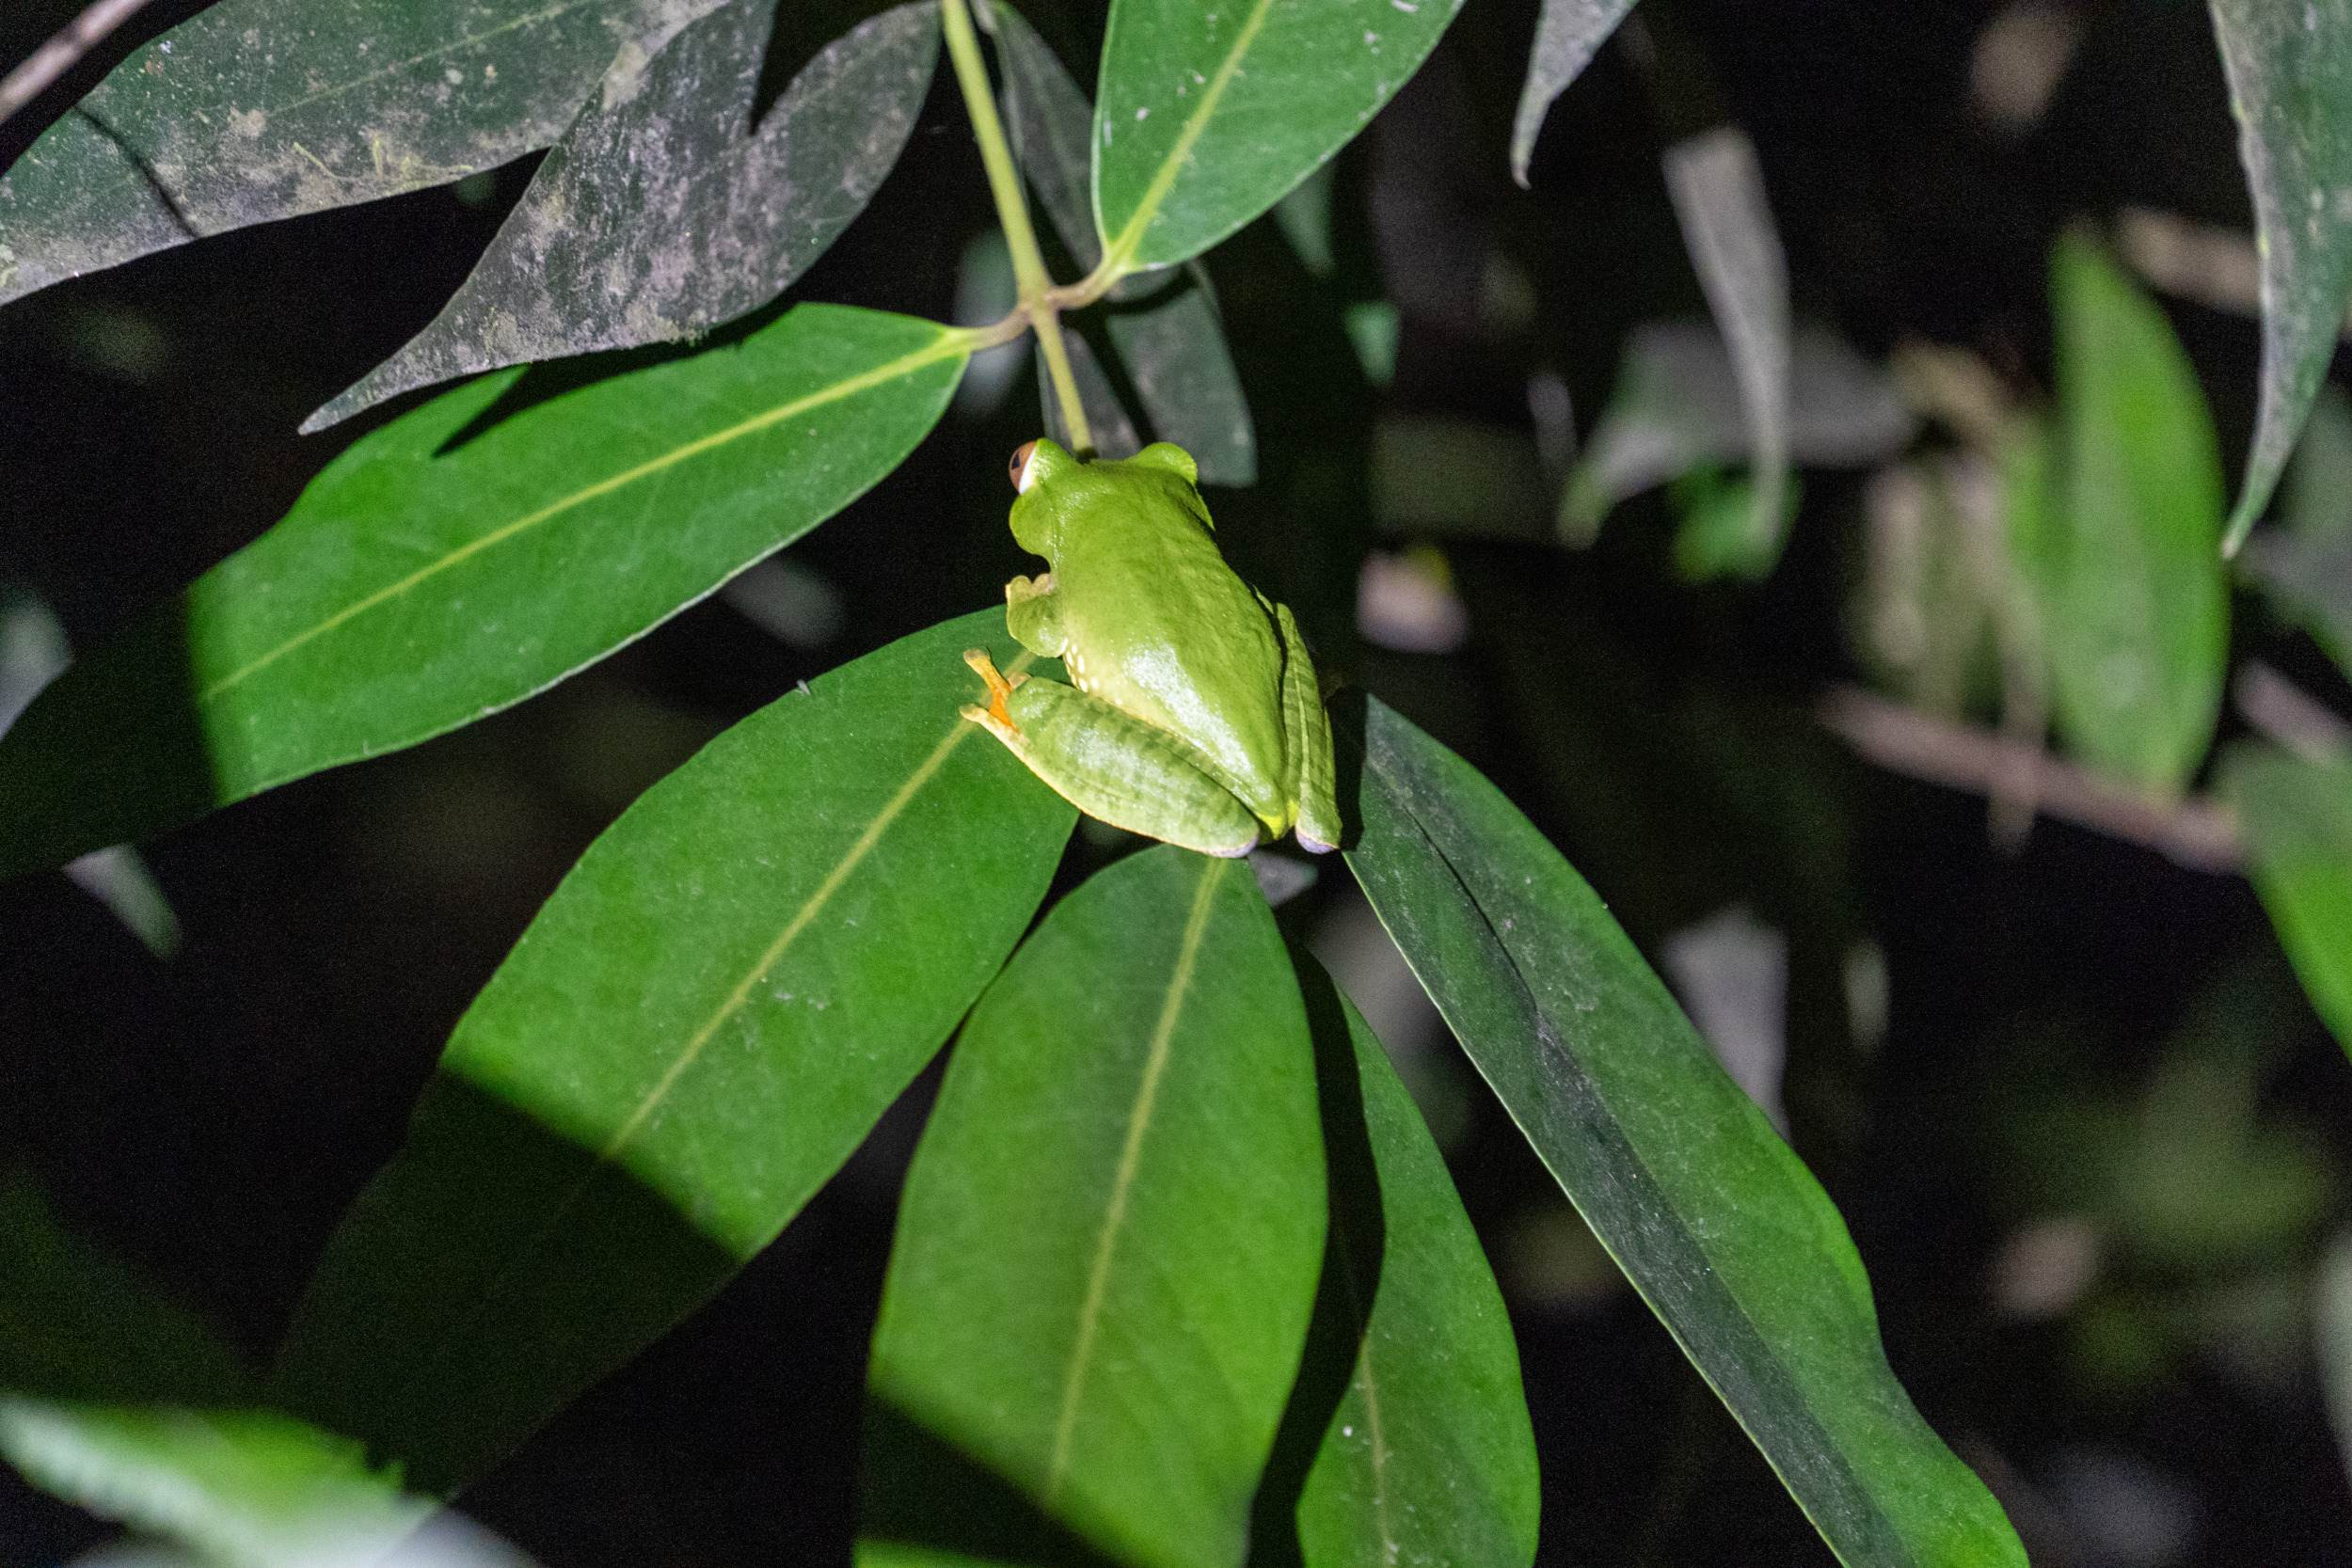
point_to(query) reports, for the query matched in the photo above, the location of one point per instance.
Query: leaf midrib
(1130, 1156)
(948, 344)
(1121, 251)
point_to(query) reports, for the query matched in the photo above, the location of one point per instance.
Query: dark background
(209, 1117)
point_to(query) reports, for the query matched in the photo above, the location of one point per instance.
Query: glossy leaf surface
(245, 1489)
(2290, 68)
(1206, 115)
(1108, 1246)
(2139, 614)
(1429, 1456)
(458, 561)
(1717, 1224)
(256, 109)
(2298, 818)
(685, 203)
(718, 1002)
(1567, 35)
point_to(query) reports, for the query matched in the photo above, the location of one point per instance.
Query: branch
(55, 57)
(2199, 832)
(1012, 210)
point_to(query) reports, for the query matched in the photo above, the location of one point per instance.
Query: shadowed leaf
(1626, 1106)
(1567, 35)
(458, 561)
(256, 109)
(2290, 68)
(2298, 817)
(733, 984)
(684, 203)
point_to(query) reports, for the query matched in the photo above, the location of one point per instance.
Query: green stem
(1012, 210)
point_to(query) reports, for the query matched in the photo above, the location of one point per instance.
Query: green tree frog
(1193, 714)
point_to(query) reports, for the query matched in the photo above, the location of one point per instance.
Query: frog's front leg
(1110, 764)
(1033, 615)
(1307, 741)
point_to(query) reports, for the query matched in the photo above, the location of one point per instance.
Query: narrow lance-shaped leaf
(1718, 192)
(1207, 116)
(458, 561)
(719, 1000)
(1717, 1224)
(1567, 35)
(244, 1489)
(1108, 1246)
(256, 109)
(1427, 1455)
(2305, 566)
(2298, 817)
(2290, 68)
(1174, 349)
(672, 209)
(2138, 617)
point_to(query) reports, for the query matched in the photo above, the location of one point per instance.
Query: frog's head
(1054, 484)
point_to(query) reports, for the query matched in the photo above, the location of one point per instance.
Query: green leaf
(1567, 35)
(1107, 1247)
(2298, 817)
(1207, 116)
(682, 205)
(245, 1489)
(732, 985)
(1175, 353)
(1428, 1455)
(1173, 348)
(259, 109)
(1721, 1227)
(459, 560)
(76, 1324)
(2290, 68)
(1727, 227)
(2138, 617)
(2306, 567)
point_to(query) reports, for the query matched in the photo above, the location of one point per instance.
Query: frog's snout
(1022, 478)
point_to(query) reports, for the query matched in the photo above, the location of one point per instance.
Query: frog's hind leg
(1115, 767)
(1307, 741)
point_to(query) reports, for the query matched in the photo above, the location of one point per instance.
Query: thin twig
(1012, 210)
(55, 57)
(2198, 832)
(2285, 713)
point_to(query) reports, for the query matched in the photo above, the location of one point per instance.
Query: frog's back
(1155, 618)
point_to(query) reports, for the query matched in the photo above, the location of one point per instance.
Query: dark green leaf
(2290, 71)
(75, 1323)
(1205, 116)
(1721, 1227)
(2298, 817)
(2139, 613)
(258, 109)
(458, 561)
(1107, 1248)
(1567, 35)
(673, 210)
(1428, 1456)
(726, 992)
(1175, 353)
(245, 1489)
(1050, 123)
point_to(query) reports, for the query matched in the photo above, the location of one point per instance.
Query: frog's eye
(1022, 478)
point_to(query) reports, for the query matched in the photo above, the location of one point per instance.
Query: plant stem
(1012, 210)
